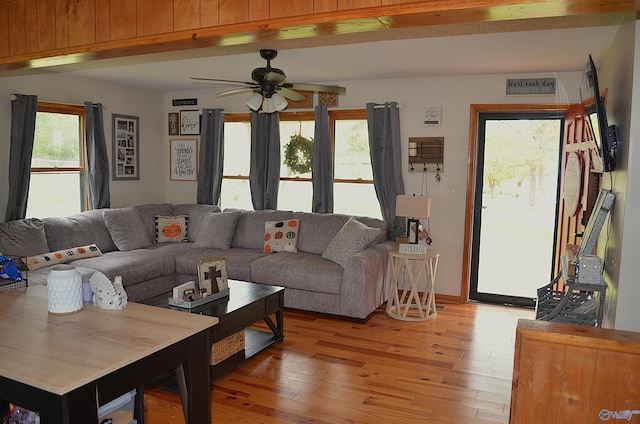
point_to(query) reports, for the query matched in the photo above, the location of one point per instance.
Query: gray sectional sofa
(339, 268)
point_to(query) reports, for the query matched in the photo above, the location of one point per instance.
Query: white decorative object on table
(107, 295)
(64, 286)
(412, 249)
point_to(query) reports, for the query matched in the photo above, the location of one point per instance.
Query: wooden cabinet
(566, 373)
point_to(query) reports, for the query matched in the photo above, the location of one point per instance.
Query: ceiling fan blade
(212, 80)
(290, 94)
(235, 91)
(316, 87)
(274, 77)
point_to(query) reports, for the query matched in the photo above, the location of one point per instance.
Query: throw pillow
(216, 229)
(171, 229)
(352, 238)
(126, 229)
(23, 237)
(281, 236)
(62, 256)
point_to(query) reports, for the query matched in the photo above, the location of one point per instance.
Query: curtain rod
(13, 98)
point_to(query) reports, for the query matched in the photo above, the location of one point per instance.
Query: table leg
(182, 389)
(198, 380)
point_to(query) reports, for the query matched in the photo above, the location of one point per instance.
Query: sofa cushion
(195, 212)
(318, 229)
(352, 238)
(23, 237)
(78, 230)
(62, 256)
(302, 271)
(126, 228)
(148, 212)
(249, 232)
(281, 236)
(238, 261)
(216, 229)
(136, 265)
(171, 228)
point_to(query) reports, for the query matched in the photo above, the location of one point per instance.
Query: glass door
(516, 201)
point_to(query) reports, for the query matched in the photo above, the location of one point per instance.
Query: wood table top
(59, 353)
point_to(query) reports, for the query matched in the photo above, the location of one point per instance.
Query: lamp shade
(254, 101)
(279, 102)
(413, 206)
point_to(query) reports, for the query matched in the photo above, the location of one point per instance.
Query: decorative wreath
(298, 154)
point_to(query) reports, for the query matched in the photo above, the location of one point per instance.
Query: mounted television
(605, 135)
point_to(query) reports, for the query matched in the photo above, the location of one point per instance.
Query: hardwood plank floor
(456, 368)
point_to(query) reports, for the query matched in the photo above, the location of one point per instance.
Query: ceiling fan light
(254, 101)
(279, 102)
(268, 105)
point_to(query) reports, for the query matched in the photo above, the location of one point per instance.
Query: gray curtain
(23, 126)
(211, 159)
(264, 172)
(322, 163)
(386, 160)
(97, 158)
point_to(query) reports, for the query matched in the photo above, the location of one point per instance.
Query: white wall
(148, 106)
(621, 72)
(454, 95)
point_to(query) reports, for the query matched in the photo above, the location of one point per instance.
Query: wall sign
(184, 102)
(531, 86)
(184, 160)
(189, 122)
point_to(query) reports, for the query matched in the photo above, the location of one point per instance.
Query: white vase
(64, 285)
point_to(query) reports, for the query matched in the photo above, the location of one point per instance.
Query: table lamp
(413, 208)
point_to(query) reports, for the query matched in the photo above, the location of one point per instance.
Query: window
(57, 165)
(354, 192)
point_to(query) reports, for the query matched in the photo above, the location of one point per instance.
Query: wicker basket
(226, 347)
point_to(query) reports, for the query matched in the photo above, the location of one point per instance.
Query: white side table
(401, 301)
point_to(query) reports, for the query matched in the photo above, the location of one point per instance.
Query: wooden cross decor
(213, 274)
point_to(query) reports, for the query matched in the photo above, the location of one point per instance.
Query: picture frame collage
(126, 150)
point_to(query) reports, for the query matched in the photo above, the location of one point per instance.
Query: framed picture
(173, 123)
(413, 226)
(126, 148)
(184, 159)
(212, 275)
(189, 122)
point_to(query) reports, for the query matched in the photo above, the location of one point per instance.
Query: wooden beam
(244, 22)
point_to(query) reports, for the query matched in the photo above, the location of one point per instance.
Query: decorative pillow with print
(62, 256)
(171, 229)
(281, 236)
(353, 237)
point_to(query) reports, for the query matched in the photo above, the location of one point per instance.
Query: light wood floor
(456, 368)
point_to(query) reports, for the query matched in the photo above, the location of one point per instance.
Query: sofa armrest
(365, 281)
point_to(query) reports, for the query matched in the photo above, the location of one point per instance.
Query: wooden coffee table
(247, 304)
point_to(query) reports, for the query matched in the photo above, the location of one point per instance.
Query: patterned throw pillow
(62, 256)
(281, 236)
(352, 238)
(170, 229)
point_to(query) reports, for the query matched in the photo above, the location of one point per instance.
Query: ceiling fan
(269, 88)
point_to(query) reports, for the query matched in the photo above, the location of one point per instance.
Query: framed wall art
(183, 159)
(212, 275)
(189, 122)
(126, 149)
(174, 127)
